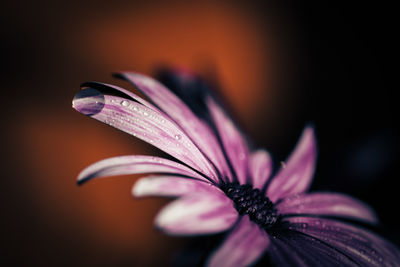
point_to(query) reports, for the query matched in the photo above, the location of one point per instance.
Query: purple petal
(198, 213)
(293, 248)
(297, 175)
(328, 204)
(360, 245)
(232, 140)
(135, 164)
(243, 246)
(260, 168)
(172, 186)
(119, 90)
(199, 131)
(282, 254)
(149, 125)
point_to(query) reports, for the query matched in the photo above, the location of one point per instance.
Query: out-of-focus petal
(242, 247)
(135, 164)
(197, 129)
(363, 247)
(198, 213)
(149, 125)
(327, 204)
(260, 168)
(171, 186)
(297, 174)
(232, 140)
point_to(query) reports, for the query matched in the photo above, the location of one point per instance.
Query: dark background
(280, 64)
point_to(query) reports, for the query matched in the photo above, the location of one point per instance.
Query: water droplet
(304, 225)
(178, 137)
(283, 164)
(145, 113)
(162, 121)
(88, 101)
(125, 103)
(135, 108)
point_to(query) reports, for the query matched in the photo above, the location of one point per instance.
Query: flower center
(253, 202)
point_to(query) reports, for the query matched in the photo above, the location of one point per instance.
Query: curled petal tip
(88, 101)
(80, 181)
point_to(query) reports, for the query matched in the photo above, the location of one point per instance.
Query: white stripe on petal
(172, 186)
(134, 164)
(198, 213)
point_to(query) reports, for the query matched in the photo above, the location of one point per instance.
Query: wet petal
(115, 90)
(232, 140)
(172, 186)
(243, 246)
(149, 125)
(197, 129)
(297, 174)
(328, 204)
(362, 246)
(293, 248)
(135, 164)
(282, 254)
(198, 213)
(260, 168)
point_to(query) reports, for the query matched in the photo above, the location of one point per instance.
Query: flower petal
(232, 140)
(360, 245)
(146, 124)
(297, 175)
(243, 246)
(116, 90)
(198, 213)
(260, 168)
(293, 248)
(135, 164)
(172, 186)
(327, 204)
(198, 130)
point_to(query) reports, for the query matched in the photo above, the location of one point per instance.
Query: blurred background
(279, 64)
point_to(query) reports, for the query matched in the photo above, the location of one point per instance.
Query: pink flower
(222, 185)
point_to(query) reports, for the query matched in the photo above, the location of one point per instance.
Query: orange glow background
(51, 48)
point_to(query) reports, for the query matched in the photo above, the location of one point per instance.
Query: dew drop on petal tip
(178, 137)
(88, 101)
